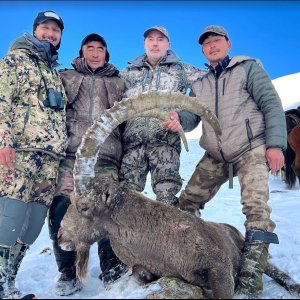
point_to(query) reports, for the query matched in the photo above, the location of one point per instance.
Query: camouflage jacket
(170, 75)
(26, 73)
(89, 94)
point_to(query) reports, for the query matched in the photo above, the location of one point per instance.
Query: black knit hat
(94, 37)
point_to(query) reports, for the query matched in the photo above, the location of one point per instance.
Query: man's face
(48, 31)
(215, 48)
(94, 54)
(156, 46)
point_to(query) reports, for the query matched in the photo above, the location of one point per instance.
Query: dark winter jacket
(247, 106)
(89, 94)
(169, 75)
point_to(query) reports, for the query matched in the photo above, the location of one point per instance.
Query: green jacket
(248, 108)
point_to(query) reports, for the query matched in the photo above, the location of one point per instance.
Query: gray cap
(161, 29)
(212, 29)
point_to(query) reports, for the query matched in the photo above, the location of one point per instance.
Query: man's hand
(173, 124)
(8, 158)
(275, 159)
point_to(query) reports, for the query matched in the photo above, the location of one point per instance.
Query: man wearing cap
(92, 86)
(149, 145)
(33, 140)
(252, 119)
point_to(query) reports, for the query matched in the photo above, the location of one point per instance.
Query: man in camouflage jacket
(91, 87)
(253, 139)
(33, 140)
(149, 145)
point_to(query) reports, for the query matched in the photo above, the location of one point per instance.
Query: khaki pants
(253, 173)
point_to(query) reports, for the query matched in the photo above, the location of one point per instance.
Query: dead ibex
(141, 105)
(162, 239)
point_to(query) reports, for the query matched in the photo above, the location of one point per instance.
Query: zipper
(217, 98)
(91, 107)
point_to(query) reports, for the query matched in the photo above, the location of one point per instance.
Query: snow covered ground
(38, 271)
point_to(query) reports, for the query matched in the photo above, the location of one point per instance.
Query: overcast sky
(267, 30)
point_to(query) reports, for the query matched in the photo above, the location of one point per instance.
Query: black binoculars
(54, 100)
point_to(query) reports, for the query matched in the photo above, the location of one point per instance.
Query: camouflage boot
(10, 261)
(254, 262)
(4, 255)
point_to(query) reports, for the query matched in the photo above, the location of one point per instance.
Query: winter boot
(4, 256)
(254, 262)
(112, 268)
(10, 261)
(68, 283)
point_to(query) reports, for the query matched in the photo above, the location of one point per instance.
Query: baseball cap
(94, 37)
(219, 30)
(48, 15)
(161, 29)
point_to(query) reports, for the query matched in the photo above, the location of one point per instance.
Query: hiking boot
(66, 286)
(254, 262)
(114, 273)
(10, 260)
(29, 296)
(111, 266)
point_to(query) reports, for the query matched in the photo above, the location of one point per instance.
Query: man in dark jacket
(252, 119)
(92, 86)
(33, 139)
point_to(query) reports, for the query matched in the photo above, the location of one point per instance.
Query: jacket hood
(80, 65)
(235, 60)
(170, 58)
(42, 49)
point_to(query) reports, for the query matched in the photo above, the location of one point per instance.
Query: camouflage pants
(162, 162)
(253, 173)
(32, 180)
(65, 180)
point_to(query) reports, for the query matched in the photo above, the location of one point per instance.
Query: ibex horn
(87, 153)
(163, 116)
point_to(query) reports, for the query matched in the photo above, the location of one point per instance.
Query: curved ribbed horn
(164, 116)
(87, 153)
